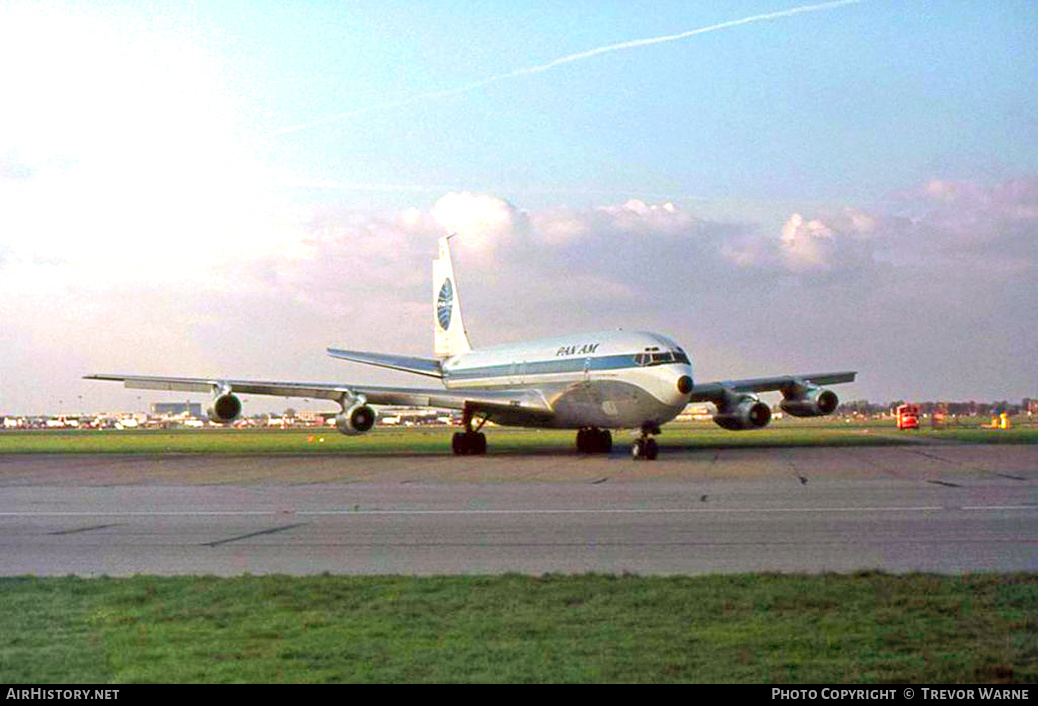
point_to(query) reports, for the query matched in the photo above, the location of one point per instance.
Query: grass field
(436, 440)
(860, 628)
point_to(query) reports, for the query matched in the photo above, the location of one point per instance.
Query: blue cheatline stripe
(543, 367)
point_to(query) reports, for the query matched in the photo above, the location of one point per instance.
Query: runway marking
(1000, 507)
(83, 529)
(133, 513)
(618, 511)
(272, 530)
(933, 456)
(564, 511)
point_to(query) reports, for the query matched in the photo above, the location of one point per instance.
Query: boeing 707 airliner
(591, 382)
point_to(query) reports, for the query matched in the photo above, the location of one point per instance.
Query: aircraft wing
(515, 404)
(789, 385)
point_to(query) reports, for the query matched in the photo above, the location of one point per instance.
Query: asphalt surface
(945, 508)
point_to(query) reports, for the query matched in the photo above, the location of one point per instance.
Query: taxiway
(946, 508)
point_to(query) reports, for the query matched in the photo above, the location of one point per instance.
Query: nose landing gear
(645, 448)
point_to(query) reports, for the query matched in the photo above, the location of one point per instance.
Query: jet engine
(226, 408)
(814, 402)
(739, 412)
(356, 420)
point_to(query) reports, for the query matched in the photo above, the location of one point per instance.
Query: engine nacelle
(358, 419)
(226, 408)
(816, 402)
(742, 412)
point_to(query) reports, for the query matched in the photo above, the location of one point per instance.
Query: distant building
(697, 412)
(409, 416)
(173, 409)
(310, 418)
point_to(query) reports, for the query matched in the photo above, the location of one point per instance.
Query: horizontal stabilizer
(420, 366)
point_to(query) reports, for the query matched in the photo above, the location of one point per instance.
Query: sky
(227, 188)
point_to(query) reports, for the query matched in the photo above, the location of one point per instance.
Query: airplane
(592, 382)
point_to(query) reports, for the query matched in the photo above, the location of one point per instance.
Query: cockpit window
(658, 357)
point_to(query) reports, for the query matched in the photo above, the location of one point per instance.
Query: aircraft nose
(684, 384)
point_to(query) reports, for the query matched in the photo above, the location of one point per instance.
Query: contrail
(634, 44)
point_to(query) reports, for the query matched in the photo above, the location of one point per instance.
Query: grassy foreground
(854, 628)
(436, 440)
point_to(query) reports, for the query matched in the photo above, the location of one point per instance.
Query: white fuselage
(607, 379)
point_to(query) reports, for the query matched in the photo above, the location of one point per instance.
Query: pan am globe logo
(444, 303)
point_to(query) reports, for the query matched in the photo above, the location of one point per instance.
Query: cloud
(818, 249)
(12, 166)
(882, 289)
(560, 226)
(961, 227)
(637, 216)
(993, 222)
(482, 221)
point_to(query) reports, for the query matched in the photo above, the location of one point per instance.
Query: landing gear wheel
(651, 449)
(469, 443)
(645, 448)
(638, 450)
(592, 441)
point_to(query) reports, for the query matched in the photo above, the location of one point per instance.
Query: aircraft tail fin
(450, 336)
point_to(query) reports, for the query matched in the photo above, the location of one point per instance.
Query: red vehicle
(907, 416)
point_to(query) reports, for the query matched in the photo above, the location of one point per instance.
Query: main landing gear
(594, 441)
(471, 442)
(645, 448)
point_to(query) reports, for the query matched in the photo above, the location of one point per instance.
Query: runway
(945, 508)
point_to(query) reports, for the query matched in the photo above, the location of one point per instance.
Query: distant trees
(862, 408)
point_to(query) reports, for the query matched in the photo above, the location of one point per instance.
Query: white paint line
(595, 511)
(1000, 507)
